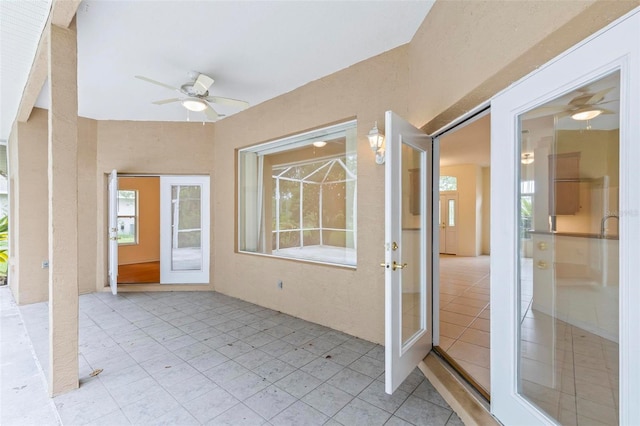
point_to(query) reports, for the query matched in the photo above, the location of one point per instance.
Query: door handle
(395, 266)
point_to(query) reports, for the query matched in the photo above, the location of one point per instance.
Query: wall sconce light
(527, 158)
(376, 140)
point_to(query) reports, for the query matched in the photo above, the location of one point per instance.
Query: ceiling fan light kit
(194, 104)
(319, 144)
(588, 114)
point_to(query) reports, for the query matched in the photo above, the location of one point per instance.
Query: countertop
(575, 234)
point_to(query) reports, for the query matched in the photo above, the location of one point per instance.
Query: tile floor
(204, 358)
(465, 313)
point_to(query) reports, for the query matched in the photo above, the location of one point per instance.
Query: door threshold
(472, 408)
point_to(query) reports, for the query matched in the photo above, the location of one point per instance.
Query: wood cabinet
(564, 183)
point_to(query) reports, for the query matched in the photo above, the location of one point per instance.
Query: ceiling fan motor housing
(189, 90)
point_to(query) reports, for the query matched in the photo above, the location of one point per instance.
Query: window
(297, 196)
(127, 217)
(448, 183)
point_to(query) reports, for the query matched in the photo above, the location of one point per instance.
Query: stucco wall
(467, 51)
(153, 148)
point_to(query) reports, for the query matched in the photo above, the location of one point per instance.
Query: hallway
(205, 358)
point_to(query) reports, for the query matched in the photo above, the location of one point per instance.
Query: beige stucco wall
(153, 148)
(147, 249)
(28, 177)
(467, 51)
(342, 298)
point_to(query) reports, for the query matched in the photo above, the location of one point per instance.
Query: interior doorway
(158, 229)
(139, 230)
(463, 178)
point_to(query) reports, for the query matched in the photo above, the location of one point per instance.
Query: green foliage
(4, 240)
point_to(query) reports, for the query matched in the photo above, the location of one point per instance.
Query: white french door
(113, 231)
(184, 229)
(565, 340)
(408, 218)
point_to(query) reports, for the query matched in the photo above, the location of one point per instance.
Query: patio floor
(183, 358)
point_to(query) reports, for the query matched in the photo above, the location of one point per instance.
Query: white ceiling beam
(61, 14)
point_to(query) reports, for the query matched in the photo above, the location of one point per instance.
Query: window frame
(246, 203)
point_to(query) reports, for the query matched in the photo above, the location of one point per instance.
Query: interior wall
(469, 176)
(147, 248)
(486, 211)
(153, 148)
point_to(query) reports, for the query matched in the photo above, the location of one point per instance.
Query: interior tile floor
(183, 358)
(465, 313)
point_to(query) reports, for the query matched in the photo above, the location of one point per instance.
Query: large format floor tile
(205, 358)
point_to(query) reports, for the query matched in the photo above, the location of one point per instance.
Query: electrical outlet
(45, 264)
(280, 284)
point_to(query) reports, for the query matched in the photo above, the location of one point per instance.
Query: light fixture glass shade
(375, 138)
(194, 104)
(527, 158)
(586, 115)
(319, 144)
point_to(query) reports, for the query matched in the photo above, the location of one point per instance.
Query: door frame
(616, 47)
(208, 240)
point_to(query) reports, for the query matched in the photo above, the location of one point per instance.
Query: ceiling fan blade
(598, 96)
(228, 101)
(202, 84)
(166, 101)
(211, 113)
(543, 112)
(140, 77)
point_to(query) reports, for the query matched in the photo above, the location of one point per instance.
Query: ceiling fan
(585, 106)
(196, 95)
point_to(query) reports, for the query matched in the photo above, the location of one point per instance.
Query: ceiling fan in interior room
(585, 106)
(195, 95)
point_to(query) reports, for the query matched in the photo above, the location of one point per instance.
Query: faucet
(604, 221)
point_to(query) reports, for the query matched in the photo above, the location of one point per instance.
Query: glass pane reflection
(569, 172)
(412, 281)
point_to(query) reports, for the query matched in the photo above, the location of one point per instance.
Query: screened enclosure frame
(329, 164)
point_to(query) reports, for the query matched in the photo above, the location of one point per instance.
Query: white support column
(63, 210)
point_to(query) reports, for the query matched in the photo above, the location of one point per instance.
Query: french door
(184, 230)
(113, 231)
(565, 237)
(408, 221)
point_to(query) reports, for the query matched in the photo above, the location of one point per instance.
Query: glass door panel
(412, 280)
(184, 224)
(186, 228)
(568, 282)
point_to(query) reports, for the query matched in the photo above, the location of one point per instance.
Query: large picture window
(297, 196)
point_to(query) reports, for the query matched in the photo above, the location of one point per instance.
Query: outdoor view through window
(297, 196)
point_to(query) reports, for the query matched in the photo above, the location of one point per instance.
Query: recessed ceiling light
(319, 144)
(194, 104)
(586, 115)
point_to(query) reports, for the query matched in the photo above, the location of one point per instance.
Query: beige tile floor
(186, 358)
(568, 372)
(465, 312)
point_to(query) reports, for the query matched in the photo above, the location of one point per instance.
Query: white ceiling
(470, 144)
(255, 51)
(21, 23)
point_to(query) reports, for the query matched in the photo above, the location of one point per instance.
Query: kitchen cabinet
(564, 180)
